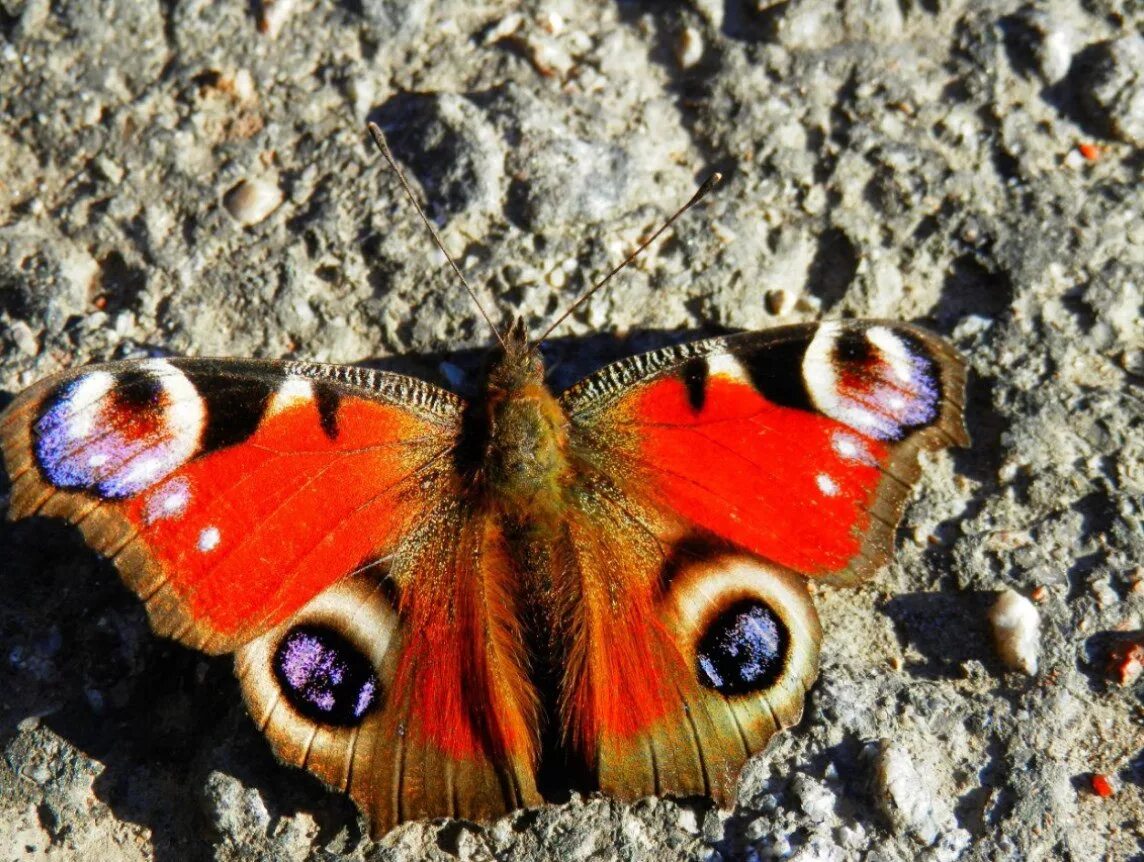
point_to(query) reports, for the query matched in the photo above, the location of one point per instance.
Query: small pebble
(1104, 594)
(251, 201)
(548, 57)
(274, 15)
(1016, 630)
(505, 27)
(24, 337)
(1126, 661)
(689, 48)
(551, 23)
(1101, 786)
(557, 277)
(777, 301)
(817, 801)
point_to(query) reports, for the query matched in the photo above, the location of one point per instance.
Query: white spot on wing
(296, 387)
(293, 391)
(169, 500)
(826, 485)
(818, 369)
(83, 408)
(209, 539)
(97, 460)
(851, 447)
(142, 474)
(725, 365)
(184, 413)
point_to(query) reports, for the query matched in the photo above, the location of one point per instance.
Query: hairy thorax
(526, 466)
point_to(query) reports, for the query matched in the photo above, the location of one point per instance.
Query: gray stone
(1112, 87)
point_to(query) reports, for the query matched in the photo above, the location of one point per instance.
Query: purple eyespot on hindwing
(743, 650)
(324, 676)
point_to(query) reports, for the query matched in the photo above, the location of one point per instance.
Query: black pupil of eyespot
(743, 650)
(324, 676)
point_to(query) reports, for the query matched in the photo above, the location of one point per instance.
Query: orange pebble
(1089, 151)
(1101, 786)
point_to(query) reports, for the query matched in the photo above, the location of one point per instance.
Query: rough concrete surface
(173, 180)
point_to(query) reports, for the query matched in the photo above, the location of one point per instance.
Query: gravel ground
(176, 178)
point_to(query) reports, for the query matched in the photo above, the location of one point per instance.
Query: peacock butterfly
(433, 603)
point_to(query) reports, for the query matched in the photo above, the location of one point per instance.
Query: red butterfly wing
(227, 493)
(310, 517)
(710, 476)
(799, 444)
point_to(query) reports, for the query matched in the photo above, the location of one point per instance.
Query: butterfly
(452, 608)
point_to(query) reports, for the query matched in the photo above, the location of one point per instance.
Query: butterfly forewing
(799, 444)
(228, 493)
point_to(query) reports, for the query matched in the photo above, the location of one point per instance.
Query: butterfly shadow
(941, 631)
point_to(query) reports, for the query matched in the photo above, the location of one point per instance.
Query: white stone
(274, 16)
(1016, 630)
(252, 201)
(689, 48)
(909, 798)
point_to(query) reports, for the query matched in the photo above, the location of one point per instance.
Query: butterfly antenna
(708, 185)
(379, 139)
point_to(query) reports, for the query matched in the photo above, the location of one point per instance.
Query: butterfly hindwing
(397, 686)
(685, 654)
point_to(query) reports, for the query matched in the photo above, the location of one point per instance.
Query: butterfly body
(525, 465)
(458, 609)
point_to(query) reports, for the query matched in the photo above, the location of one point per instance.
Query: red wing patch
(799, 444)
(769, 478)
(245, 536)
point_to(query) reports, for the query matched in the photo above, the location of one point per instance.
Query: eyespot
(879, 380)
(747, 626)
(117, 434)
(743, 650)
(317, 680)
(324, 677)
